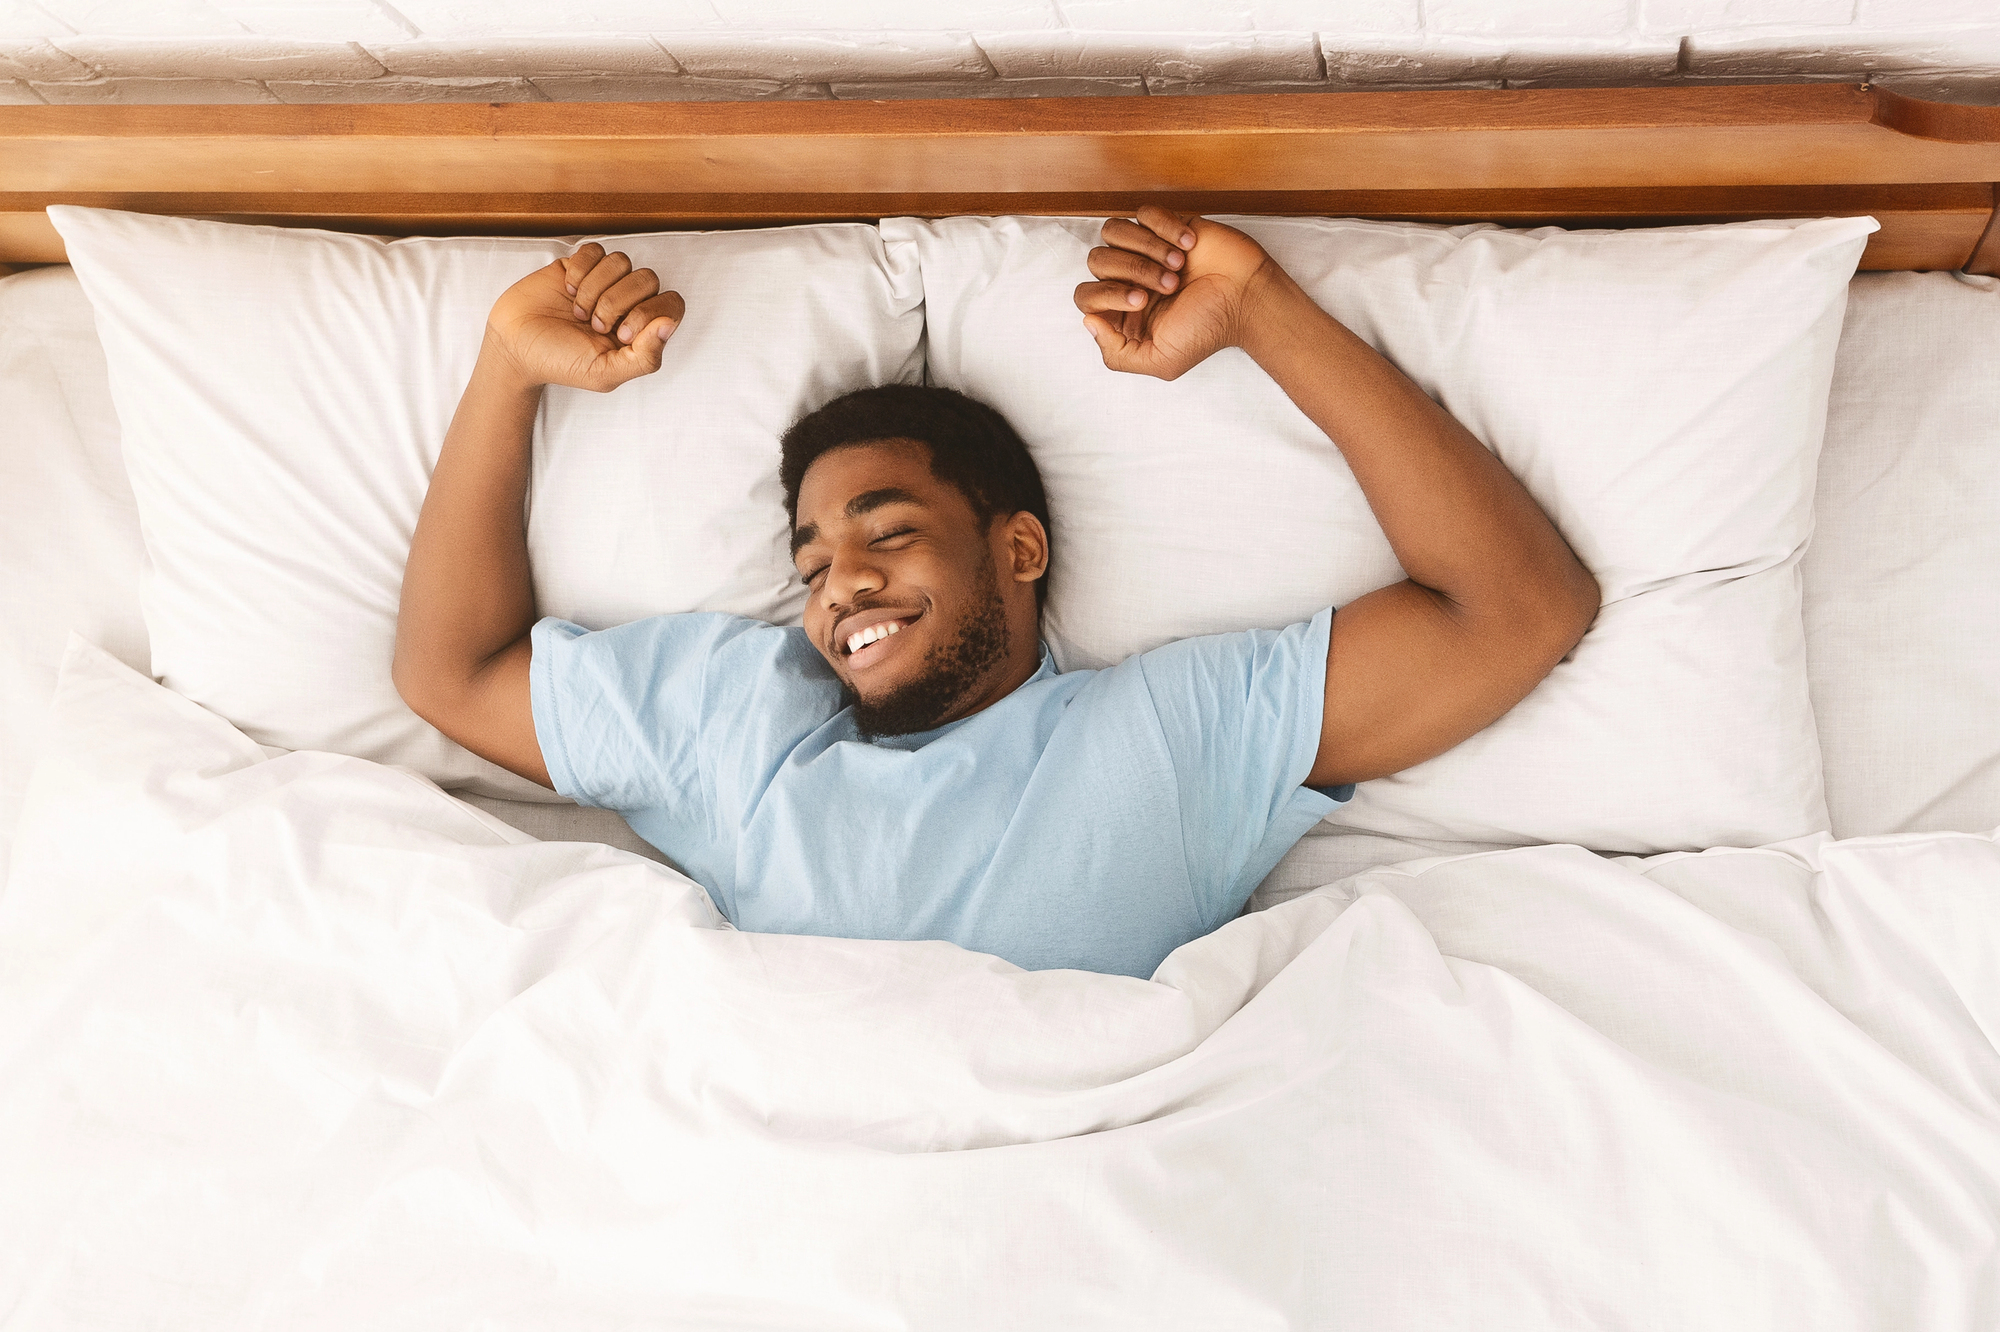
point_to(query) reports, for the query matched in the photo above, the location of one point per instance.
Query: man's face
(914, 602)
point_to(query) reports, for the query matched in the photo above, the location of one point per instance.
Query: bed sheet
(309, 1043)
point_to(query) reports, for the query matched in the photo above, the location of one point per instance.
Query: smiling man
(909, 763)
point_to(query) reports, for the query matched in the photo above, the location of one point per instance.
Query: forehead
(838, 476)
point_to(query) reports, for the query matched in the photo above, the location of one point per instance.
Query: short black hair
(972, 448)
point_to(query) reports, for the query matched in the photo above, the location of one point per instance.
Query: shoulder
(683, 631)
(693, 643)
(1243, 657)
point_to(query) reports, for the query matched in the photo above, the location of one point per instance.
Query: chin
(880, 686)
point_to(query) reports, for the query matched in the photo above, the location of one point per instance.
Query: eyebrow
(865, 502)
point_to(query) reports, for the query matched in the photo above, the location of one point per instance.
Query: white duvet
(302, 1042)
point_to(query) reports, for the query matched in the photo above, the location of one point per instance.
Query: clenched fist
(1172, 290)
(590, 321)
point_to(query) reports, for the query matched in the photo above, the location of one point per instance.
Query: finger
(1122, 353)
(576, 265)
(1112, 344)
(619, 298)
(667, 306)
(643, 356)
(1110, 296)
(598, 280)
(1136, 269)
(1169, 225)
(1126, 235)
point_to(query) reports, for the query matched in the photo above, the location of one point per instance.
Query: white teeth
(874, 633)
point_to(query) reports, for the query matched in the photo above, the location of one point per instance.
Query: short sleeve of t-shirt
(1241, 715)
(624, 715)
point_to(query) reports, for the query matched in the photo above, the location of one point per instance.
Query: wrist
(1271, 310)
(497, 368)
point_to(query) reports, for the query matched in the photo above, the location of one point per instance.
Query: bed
(294, 1038)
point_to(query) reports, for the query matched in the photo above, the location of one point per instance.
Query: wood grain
(1985, 258)
(1572, 156)
(1923, 226)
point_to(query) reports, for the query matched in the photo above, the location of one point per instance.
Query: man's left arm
(1495, 597)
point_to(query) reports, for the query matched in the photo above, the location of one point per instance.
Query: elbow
(408, 687)
(1586, 599)
(1556, 621)
(414, 685)
(1573, 610)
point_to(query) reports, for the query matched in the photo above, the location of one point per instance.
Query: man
(909, 764)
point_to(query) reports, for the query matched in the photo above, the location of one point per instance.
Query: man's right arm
(462, 648)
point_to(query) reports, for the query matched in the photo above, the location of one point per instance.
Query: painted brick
(1373, 62)
(1215, 16)
(1549, 65)
(1528, 18)
(13, 92)
(444, 19)
(817, 58)
(144, 18)
(1335, 16)
(1842, 52)
(1159, 87)
(20, 22)
(1892, 14)
(221, 58)
(1265, 57)
(1249, 57)
(622, 88)
(857, 16)
(153, 92)
(1055, 87)
(1685, 16)
(40, 60)
(526, 57)
(400, 88)
(320, 20)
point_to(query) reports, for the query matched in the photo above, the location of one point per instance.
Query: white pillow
(1902, 581)
(69, 539)
(283, 394)
(1661, 393)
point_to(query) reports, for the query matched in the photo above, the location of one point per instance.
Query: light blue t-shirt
(1089, 819)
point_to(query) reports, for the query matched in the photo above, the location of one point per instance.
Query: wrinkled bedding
(303, 1042)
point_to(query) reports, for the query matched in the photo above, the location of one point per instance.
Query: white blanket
(309, 1044)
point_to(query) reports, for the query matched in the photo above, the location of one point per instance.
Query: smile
(865, 646)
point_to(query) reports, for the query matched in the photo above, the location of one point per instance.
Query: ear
(1027, 546)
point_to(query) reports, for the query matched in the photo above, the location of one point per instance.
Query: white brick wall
(132, 51)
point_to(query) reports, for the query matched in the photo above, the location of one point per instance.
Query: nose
(851, 576)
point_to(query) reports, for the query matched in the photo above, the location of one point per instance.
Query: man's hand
(1173, 288)
(590, 321)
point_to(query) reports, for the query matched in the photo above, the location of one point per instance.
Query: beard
(950, 672)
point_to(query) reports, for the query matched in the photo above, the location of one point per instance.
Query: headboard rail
(1576, 157)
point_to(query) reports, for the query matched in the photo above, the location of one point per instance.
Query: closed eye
(810, 578)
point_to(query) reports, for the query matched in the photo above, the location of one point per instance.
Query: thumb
(647, 349)
(1109, 340)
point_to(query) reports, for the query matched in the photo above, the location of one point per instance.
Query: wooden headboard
(1579, 157)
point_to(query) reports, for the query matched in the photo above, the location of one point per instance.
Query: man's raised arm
(588, 321)
(1495, 597)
